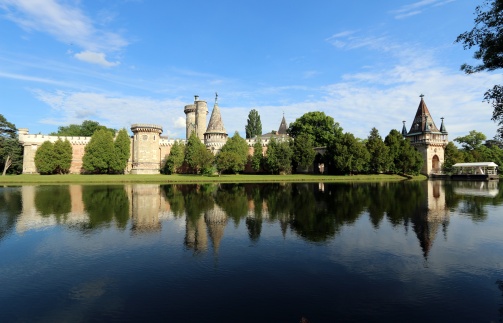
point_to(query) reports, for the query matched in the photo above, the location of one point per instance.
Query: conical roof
(442, 127)
(423, 122)
(282, 127)
(404, 129)
(216, 125)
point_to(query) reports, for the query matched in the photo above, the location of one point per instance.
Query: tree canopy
(254, 125)
(197, 156)
(487, 37)
(99, 153)
(471, 141)
(322, 129)
(175, 158)
(86, 129)
(233, 155)
(11, 151)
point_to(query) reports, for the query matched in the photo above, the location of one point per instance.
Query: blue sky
(120, 62)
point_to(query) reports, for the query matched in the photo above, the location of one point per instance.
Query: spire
(423, 122)
(216, 125)
(404, 129)
(442, 127)
(282, 126)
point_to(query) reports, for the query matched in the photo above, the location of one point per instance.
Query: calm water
(429, 251)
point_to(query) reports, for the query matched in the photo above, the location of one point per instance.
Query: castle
(149, 149)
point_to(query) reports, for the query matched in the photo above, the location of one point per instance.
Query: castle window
(145, 137)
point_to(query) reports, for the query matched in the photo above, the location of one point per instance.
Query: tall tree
(322, 129)
(349, 154)
(11, 151)
(254, 125)
(233, 155)
(197, 156)
(258, 156)
(278, 157)
(487, 37)
(62, 156)
(175, 158)
(99, 152)
(303, 151)
(410, 161)
(394, 143)
(379, 152)
(451, 156)
(122, 148)
(44, 158)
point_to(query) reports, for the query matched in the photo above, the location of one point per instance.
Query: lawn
(194, 179)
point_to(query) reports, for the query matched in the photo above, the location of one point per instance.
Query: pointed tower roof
(442, 127)
(216, 125)
(404, 129)
(282, 126)
(423, 122)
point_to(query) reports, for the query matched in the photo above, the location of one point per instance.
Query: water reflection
(316, 213)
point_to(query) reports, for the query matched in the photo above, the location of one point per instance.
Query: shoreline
(196, 179)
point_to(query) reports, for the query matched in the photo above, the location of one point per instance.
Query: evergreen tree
(44, 158)
(11, 151)
(62, 156)
(258, 156)
(278, 157)
(99, 153)
(410, 161)
(303, 151)
(122, 148)
(197, 156)
(233, 155)
(254, 125)
(349, 154)
(394, 143)
(175, 158)
(379, 152)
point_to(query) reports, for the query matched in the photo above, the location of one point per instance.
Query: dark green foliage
(303, 151)
(410, 160)
(86, 129)
(257, 159)
(278, 158)
(394, 143)
(105, 203)
(62, 156)
(122, 148)
(321, 128)
(175, 158)
(487, 37)
(233, 200)
(233, 155)
(197, 156)
(349, 154)
(254, 125)
(11, 151)
(53, 200)
(45, 158)
(99, 153)
(379, 153)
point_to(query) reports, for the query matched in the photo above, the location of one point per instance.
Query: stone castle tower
(428, 139)
(195, 120)
(215, 136)
(145, 148)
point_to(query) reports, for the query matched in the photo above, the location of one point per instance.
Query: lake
(380, 252)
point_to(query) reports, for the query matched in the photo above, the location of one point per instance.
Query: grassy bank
(194, 179)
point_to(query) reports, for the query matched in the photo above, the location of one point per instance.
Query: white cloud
(66, 23)
(417, 8)
(95, 58)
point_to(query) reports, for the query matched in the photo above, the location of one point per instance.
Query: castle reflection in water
(315, 212)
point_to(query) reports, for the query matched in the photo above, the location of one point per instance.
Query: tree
(11, 151)
(278, 157)
(86, 129)
(472, 141)
(451, 156)
(379, 152)
(394, 143)
(410, 160)
(197, 156)
(321, 128)
(122, 148)
(44, 158)
(487, 37)
(233, 155)
(303, 151)
(98, 153)
(257, 158)
(175, 158)
(348, 154)
(254, 125)
(62, 154)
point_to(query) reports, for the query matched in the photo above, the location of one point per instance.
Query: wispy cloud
(67, 24)
(95, 58)
(417, 8)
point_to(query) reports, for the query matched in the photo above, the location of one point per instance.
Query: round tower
(146, 151)
(190, 119)
(201, 113)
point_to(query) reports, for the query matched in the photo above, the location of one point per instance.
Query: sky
(121, 62)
